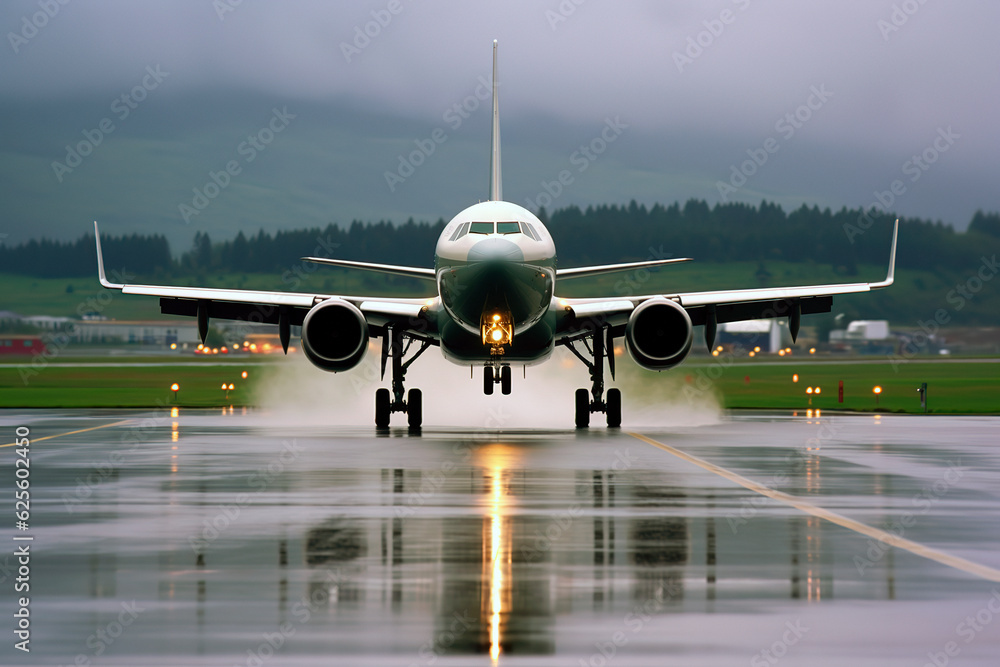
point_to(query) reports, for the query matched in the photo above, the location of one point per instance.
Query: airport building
(149, 332)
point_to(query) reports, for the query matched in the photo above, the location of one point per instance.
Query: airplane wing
(282, 308)
(718, 306)
(391, 269)
(585, 271)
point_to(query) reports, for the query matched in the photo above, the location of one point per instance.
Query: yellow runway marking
(976, 569)
(82, 430)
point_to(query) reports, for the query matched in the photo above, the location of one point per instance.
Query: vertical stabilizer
(496, 190)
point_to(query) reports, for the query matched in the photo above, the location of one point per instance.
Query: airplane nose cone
(496, 249)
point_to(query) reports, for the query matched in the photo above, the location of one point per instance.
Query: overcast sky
(689, 91)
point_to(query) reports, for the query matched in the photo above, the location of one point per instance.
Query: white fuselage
(495, 257)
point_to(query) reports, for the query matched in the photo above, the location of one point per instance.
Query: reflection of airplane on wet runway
(496, 306)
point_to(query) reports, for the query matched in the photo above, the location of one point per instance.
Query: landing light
(173, 346)
(757, 349)
(812, 350)
(496, 318)
(795, 377)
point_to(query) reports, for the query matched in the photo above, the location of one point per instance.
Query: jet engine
(335, 335)
(658, 334)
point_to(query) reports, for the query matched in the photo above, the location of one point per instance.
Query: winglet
(100, 262)
(496, 191)
(892, 261)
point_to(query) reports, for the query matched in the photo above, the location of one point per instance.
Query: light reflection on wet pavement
(240, 540)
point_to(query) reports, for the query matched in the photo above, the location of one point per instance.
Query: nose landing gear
(494, 374)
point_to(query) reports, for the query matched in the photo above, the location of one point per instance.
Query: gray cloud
(562, 75)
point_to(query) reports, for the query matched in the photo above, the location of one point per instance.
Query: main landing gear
(599, 344)
(386, 403)
(494, 374)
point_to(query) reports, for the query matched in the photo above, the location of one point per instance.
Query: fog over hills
(794, 104)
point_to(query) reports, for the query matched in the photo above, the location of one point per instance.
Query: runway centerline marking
(82, 430)
(988, 573)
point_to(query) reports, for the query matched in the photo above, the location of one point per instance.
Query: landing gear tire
(505, 380)
(382, 408)
(582, 408)
(414, 408)
(488, 380)
(613, 409)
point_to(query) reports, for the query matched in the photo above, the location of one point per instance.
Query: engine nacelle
(658, 334)
(335, 335)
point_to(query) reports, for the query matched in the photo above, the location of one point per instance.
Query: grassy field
(953, 387)
(108, 386)
(959, 386)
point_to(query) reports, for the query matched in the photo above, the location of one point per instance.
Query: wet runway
(253, 539)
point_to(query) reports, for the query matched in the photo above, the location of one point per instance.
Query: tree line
(597, 234)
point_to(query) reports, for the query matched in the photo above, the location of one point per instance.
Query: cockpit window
(530, 231)
(481, 228)
(508, 228)
(460, 231)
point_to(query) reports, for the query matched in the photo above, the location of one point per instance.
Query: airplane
(496, 276)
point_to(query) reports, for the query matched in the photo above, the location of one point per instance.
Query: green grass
(968, 387)
(128, 387)
(955, 387)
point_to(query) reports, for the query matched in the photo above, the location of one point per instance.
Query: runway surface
(256, 538)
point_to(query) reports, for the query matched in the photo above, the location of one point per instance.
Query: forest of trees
(602, 234)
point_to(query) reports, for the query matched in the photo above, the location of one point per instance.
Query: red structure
(11, 344)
